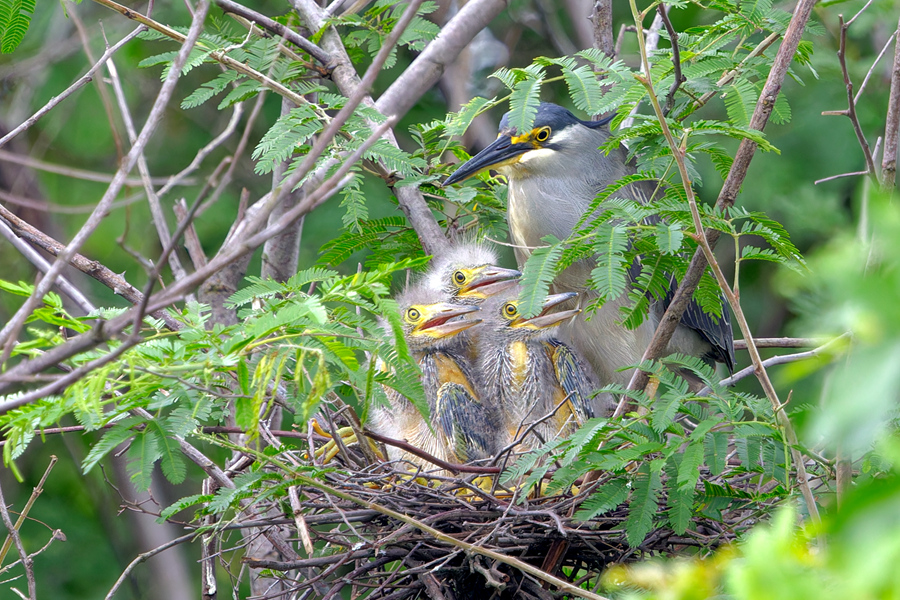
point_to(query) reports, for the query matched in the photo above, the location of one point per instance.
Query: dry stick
(99, 213)
(406, 446)
(280, 30)
(440, 536)
(38, 489)
(156, 211)
(781, 359)
(892, 123)
(678, 152)
(17, 540)
(75, 173)
(103, 274)
(782, 342)
(81, 82)
(850, 111)
(143, 557)
(64, 285)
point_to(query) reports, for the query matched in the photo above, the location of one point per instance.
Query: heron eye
(542, 134)
(510, 310)
(412, 314)
(459, 277)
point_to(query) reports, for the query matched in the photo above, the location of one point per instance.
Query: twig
(783, 342)
(101, 273)
(663, 12)
(871, 70)
(776, 360)
(833, 177)
(23, 514)
(64, 285)
(892, 122)
(143, 557)
(850, 112)
(17, 540)
(81, 82)
(407, 447)
(76, 173)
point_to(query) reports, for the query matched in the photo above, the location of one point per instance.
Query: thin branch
(851, 103)
(81, 82)
(17, 540)
(64, 285)
(143, 557)
(678, 153)
(23, 514)
(75, 173)
(871, 70)
(732, 185)
(840, 176)
(453, 467)
(101, 273)
(663, 12)
(892, 122)
(783, 342)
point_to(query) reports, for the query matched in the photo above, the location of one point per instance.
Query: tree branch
(892, 122)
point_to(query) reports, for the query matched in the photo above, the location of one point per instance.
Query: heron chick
(460, 428)
(526, 372)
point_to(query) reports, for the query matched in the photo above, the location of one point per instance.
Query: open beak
(439, 323)
(544, 320)
(490, 281)
(498, 153)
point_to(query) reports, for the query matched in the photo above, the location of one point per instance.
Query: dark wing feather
(464, 422)
(573, 379)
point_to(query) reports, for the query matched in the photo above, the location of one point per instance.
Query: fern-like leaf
(643, 506)
(537, 274)
(15, 17)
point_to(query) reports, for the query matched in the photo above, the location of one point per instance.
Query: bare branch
(663, 12)
(892, 122)
(81, 82)
(103, 274)
(17, 540)
(602, 21)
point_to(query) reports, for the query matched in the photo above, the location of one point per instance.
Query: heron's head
(509, 322)
(468, 274)
(430, 324)
(554, 130)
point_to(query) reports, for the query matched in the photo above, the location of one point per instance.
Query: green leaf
(605, 499)
(643, 506)
(171, 459)
(15, 17)
(716, 449)
(610, 276)
(584, 89)
(537, 274)
(142, 455)
(119, 433)
(669, 237)
(689, 469)
(523, 103)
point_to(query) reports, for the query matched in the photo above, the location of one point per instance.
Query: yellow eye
(510, 310)
(459, 278)
(542, 134)
(413, 315)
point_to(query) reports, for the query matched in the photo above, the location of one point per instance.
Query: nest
(380, 531)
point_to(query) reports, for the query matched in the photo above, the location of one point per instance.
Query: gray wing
(573, 379)
(464, 423)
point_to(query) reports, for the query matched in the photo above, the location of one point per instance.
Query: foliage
(15, 17)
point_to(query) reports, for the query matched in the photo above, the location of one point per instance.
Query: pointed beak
(544, 320)
(439, 323)
(500, 152)
(490, 281)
